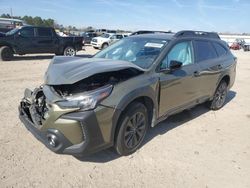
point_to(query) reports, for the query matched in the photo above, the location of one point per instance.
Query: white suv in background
(105, 40)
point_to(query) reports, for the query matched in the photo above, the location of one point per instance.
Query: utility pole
(11, 14)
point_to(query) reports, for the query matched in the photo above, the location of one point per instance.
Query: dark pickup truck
(32, 39)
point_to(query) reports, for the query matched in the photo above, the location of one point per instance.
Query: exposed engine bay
(96, 81)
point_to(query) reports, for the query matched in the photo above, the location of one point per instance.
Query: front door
(179, 87)
(25, 40)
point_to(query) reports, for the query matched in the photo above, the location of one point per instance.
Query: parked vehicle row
(32, 39)
(112, 99)
(240, 44)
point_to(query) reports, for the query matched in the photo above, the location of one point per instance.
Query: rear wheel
(133, 126)
(6, 54)
(220, 96)
(69, 51)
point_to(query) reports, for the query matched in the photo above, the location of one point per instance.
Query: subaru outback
(113, 98)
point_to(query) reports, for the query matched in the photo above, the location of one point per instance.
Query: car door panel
(45, 41)
(178, 88)
(25, 40)
(210, 66)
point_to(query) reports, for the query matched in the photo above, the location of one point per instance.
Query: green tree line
(37, 20)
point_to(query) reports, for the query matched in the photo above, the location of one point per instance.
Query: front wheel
(133, 126)
(6, 54)
(220, 96)
(105, 45)
(69, 51)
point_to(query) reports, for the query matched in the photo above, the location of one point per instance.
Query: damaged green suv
(89, 104)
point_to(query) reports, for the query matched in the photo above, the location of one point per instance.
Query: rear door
(210, 66)
(46, 41)
(178, 88)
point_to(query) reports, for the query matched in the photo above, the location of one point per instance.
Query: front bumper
(96, 45)
(75, 133)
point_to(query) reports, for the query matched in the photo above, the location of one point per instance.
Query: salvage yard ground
(196, 148)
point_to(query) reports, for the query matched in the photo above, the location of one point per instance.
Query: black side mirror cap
(175, 65)
(172, 66)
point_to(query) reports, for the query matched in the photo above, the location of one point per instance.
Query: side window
(44, 32)
(219, 49)
(180, 52)
(119, 36)
(204, 51)
(27, 32)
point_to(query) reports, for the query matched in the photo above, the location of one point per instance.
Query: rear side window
(204, 51)
(219, 49)
(44, 32)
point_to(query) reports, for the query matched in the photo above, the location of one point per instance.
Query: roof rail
(189, 33)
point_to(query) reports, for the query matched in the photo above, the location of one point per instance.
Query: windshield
(105, 35)
(12, 31)
(140, 51)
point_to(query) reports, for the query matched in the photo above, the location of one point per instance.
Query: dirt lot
(197, 148)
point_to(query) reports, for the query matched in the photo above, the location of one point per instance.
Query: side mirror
(175, 65)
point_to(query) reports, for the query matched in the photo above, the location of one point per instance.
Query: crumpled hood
(69, 70)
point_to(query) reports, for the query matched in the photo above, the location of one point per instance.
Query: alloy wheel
(135, 130)
(220, 95)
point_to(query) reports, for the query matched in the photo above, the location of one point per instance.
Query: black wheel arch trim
(128, 99)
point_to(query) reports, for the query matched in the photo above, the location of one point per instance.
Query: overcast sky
(210, 15)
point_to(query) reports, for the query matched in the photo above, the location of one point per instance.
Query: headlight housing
(86, 101)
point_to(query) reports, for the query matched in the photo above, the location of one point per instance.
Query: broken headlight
(86, 101)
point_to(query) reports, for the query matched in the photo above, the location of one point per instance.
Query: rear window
(44, 32)
(204, 51)
(219, 49)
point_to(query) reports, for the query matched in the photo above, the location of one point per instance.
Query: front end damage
(69, 118)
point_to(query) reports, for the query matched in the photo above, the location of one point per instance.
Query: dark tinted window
(27, 32)
(219, 49)
(119, 36)
(204, 51)
(44, 32)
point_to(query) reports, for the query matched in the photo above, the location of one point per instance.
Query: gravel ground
(196, 148)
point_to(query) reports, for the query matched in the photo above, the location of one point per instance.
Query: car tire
(69, 51)
(6, 53)
(219, 97)
(105, 45)
(133, 126)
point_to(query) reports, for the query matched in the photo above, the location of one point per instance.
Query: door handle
(196, 73)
